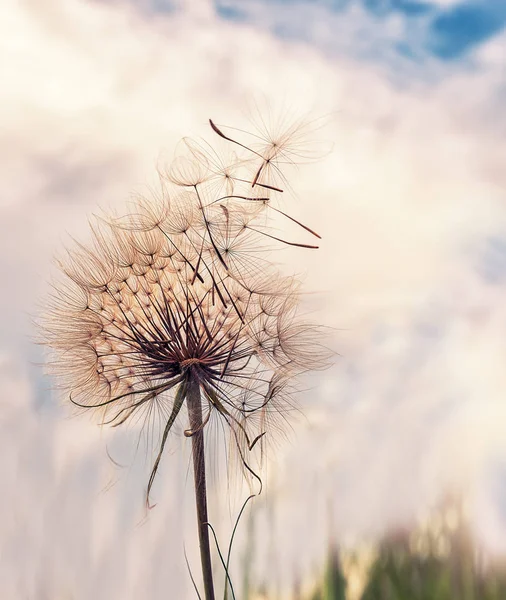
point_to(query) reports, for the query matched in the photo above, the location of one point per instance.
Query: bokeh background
(411, 278)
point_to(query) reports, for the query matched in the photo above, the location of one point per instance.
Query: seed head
(181, 290)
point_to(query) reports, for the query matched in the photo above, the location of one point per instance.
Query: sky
(410, 277)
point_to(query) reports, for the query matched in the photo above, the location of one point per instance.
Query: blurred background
(393, 483)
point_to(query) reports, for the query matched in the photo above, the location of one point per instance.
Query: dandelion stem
(199, 471)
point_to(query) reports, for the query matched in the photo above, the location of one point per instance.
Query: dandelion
(176, 305)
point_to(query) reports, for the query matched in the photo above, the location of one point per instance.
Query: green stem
(199, 472)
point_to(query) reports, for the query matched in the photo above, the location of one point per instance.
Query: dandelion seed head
(178, 289)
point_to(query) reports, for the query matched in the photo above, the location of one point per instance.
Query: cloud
(407, 203)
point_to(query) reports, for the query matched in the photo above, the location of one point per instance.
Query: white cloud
(92, 93)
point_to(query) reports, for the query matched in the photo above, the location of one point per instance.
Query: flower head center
(188, 362)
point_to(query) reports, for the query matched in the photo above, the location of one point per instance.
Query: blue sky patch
(425, 29)
(231, 12)
(411, 8)
(464, 26)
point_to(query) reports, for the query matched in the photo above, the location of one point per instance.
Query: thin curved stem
(199, 471)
